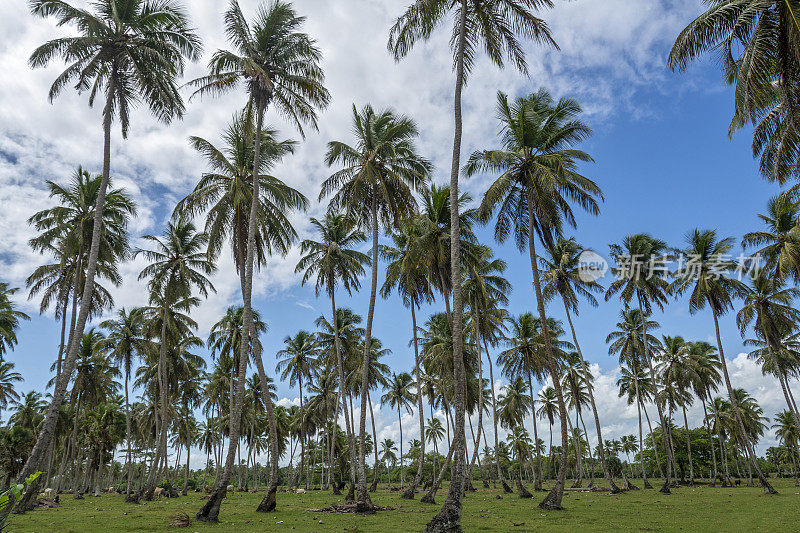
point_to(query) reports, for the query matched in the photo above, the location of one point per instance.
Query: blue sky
(663, 160)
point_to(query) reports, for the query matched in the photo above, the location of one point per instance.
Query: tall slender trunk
(711, 442)
(449, 516)
(409, 493)
(48, 425)
(477, 439)
(363, 501)
(646, 483)
(553, 500)
(537, 479)
(768, 489)
(303, 461)
(506, 488)
(653, 439)
(657, 400)
(688, 446)
(269, 502)
(600, 446)
(129, 438)
(161, 445)
(578, 452)
(374, 485)
(210, 511)
(400, 421)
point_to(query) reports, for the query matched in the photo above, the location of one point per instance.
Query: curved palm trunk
(537, 479)
(351, 444)
(506, 488)
(657, 400)
(688, 446)
(553, 499)
(646, 483)
(412, 488)
(210, 511)
(477, 439)
(152, 477)
(600, 446)
(768, 489)
(48, 425)
(431, 494)
(711, 441)
(269, 502)
(449, 516)
(374, 485)
(363, 501)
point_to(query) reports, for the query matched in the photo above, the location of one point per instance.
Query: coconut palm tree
(637, 277)
(537, 183)
(677, 373)
(434, 432)
(7, 379)
(65, 233)
(9, 319)
(562, 279)
(757, 42)
(126, 341)
(779, 243)
(298, 362)
(330, 261)
(705, 379)
(515, 403)
(406, 271)
(375, 188)
(398, 395)
(708, 280)
(129, 52)
(768, 307)
(786, 430)
(178, 265)
(278, 65)
(494, 26)
(548, 409)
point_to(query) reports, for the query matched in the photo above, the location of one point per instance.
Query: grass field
(697, 508)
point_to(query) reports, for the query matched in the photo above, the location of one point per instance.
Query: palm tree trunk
(269, 502)
(646, 483)
(537, 479)
(477, 439)
(400, 421)
(449, 516)
(210, 511)
(363, 501)
(553, 500)
(738, 415)
(303, 461)
(374, 485)
(711, 441)
(600, 446)
(667, 444)
(129, 496)
(506, 488)
(688, 446)
(351, 444)
(161, 446)
(578, 452)
(48, 425)
(412, 488)
(655, 446)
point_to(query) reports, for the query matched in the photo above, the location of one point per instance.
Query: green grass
(688, 509)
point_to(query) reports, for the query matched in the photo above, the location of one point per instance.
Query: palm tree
(538, 180)
(298, 362)
(628, 341)
(134, 51)
(375, 188)
(278, 65)
(779, 242)
(515, 403)
(178, 265)
(406, 272)
(9, 319)
(676, 368)
(757, 42)
(399, 396)
(7, 379)
(705, 379)
(434, 432)
(707, 278)
(548, 408)
(563, 279)
(388, 454)
(768, 306)
(786, 430)
(125, 341)
(330, 261)
(494, 26)
(65, 234)
(638, 278)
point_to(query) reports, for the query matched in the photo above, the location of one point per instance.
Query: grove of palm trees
(513, 294)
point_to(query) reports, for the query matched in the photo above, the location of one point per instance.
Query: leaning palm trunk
(431, 494)
(269, 502)
(600, 446)
(657, 400)
(751, 456)
(363, 501)
(374, 486)
(351, 445)
(553, 499)
(152, 477)
(48, 425)
(477, 439)
(449, 516)
(210, 511)
(412, 488)
(506, 488)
